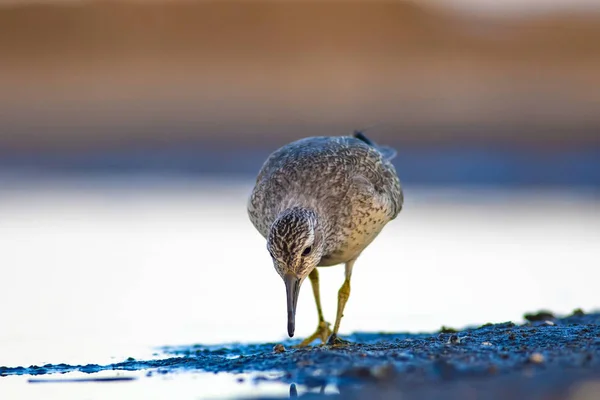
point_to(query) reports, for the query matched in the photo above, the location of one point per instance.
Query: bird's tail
(387, 152)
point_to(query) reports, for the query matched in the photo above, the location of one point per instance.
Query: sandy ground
(545, 358)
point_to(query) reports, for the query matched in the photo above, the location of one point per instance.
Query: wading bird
(320, 201)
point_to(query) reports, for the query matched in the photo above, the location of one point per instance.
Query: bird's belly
(354, 240)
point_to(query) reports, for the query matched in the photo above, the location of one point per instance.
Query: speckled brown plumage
(320, 201)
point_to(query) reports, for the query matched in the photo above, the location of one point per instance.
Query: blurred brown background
(104, 76)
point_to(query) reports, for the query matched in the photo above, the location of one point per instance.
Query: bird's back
(319, 172)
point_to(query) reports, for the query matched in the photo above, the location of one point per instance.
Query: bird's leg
(323, 330)
(343, 295)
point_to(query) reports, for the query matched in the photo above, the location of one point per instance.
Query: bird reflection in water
(294, 390)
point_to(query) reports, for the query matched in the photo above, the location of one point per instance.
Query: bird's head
(296, 245)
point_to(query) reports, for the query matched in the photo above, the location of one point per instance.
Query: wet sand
(545, 358)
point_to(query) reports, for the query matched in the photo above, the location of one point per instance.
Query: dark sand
(546, 358)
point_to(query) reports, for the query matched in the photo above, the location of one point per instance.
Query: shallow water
(173, 386)
(102, 270)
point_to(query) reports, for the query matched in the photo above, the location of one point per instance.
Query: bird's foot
(336, 341)
(322, 333)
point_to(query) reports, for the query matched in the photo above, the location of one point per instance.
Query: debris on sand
(454, 339)
(532, 360)
(279, 348)
(446, 329)
(541, 316)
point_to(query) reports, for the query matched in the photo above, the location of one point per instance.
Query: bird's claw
(335, 340)
(323, 331)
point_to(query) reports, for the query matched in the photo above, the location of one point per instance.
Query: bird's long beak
(292, 288)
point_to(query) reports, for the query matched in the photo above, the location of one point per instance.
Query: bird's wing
(363, 192)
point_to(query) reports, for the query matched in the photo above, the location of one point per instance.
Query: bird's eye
(307, 251)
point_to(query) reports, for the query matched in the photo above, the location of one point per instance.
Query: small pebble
(454, 339)
(536, 358)
(279, 348)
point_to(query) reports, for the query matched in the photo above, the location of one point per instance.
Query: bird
(319, 202)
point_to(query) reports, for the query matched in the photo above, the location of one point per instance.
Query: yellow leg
(343, 296)
(323, 330)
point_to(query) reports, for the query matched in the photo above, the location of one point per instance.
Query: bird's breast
(350, 240)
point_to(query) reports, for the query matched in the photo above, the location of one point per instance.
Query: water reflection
(139, 385)
(322, 389)
(293, 391)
